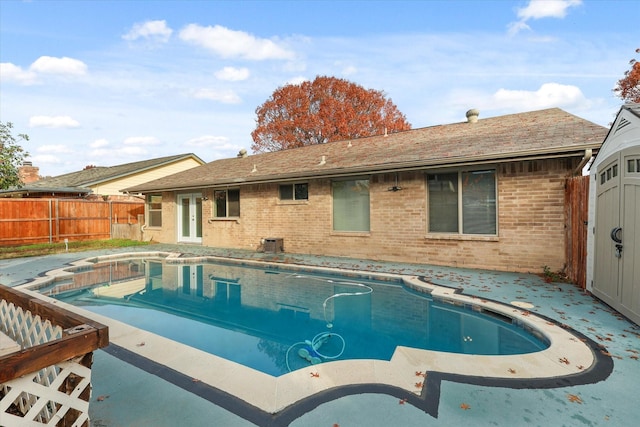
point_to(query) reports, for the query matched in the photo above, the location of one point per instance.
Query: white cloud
(233, 44)
(232, 74)
(296, 80)
(549, 95)
(46, 159)
(64, 66)
(58, 148)
(349, 70)
(54, 122)
(208, 141)
(515, 27)
(131, 151)
(98, 143)
(142, 140)
(131, 154)
(11, 72)
(223, 96)
(150, 30)
(538, 9)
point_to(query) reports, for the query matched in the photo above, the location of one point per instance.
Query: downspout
(588, 155)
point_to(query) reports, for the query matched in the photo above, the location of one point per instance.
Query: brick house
(483, 193)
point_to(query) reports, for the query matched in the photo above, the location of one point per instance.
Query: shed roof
(538, 134)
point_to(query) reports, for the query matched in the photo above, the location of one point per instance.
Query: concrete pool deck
(129, 391)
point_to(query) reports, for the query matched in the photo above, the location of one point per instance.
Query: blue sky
(110, 82)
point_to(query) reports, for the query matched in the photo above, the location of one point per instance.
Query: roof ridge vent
(472, 115)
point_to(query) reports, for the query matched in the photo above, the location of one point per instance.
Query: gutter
(588, 156)
(386, 168)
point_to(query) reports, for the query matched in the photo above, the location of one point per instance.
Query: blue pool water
(267, 319)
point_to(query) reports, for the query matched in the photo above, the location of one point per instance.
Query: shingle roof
(544, 133)
(99, 174)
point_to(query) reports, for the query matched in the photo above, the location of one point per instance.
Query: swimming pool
(277, 320)
(412, 374)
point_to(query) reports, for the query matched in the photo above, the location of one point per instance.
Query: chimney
(28, 173)
(472, 115)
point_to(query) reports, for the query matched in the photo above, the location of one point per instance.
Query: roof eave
(137, 171)
(561, 152)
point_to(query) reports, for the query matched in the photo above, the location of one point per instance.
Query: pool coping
(412, 375)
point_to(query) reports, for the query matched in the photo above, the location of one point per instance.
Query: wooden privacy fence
(28, 221)
(577, 226)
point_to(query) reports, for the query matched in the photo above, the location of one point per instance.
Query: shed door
(607, 263)
(617, 255)
(630, 292)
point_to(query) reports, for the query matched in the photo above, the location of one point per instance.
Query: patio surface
(130, 392)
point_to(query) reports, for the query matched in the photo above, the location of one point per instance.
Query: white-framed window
(462, 202)
(154, 210)
(351, 211)
(227, 203)
(610, 173)
(633, 165)
(294, 191)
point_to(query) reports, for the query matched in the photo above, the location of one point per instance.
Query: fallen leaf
(402, 401)
(512, 371)
(564, 360)
(140, 344)
(573, 398)
(315, 375)
(102, 397)
(465, 406)
(418, 385)
(421, 374)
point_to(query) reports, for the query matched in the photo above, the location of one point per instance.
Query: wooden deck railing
(49, 377)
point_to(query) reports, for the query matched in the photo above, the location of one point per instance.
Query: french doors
(190, 218)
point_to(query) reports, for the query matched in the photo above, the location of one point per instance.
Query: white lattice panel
(45, 397)
(24, 328)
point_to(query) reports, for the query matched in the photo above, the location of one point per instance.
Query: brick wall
(28, 173)
(531, 229)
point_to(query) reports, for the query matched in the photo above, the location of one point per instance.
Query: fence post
(50, 223)
(57, 218)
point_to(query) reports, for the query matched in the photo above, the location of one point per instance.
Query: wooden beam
(81, 336)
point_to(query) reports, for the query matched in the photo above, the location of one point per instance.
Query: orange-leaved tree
(323, 110)
(628, 87)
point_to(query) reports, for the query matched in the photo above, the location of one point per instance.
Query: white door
(607, 261)
(190, 218)
(617, 242)
(630, 211)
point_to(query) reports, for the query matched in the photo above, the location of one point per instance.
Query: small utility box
(274, 244)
